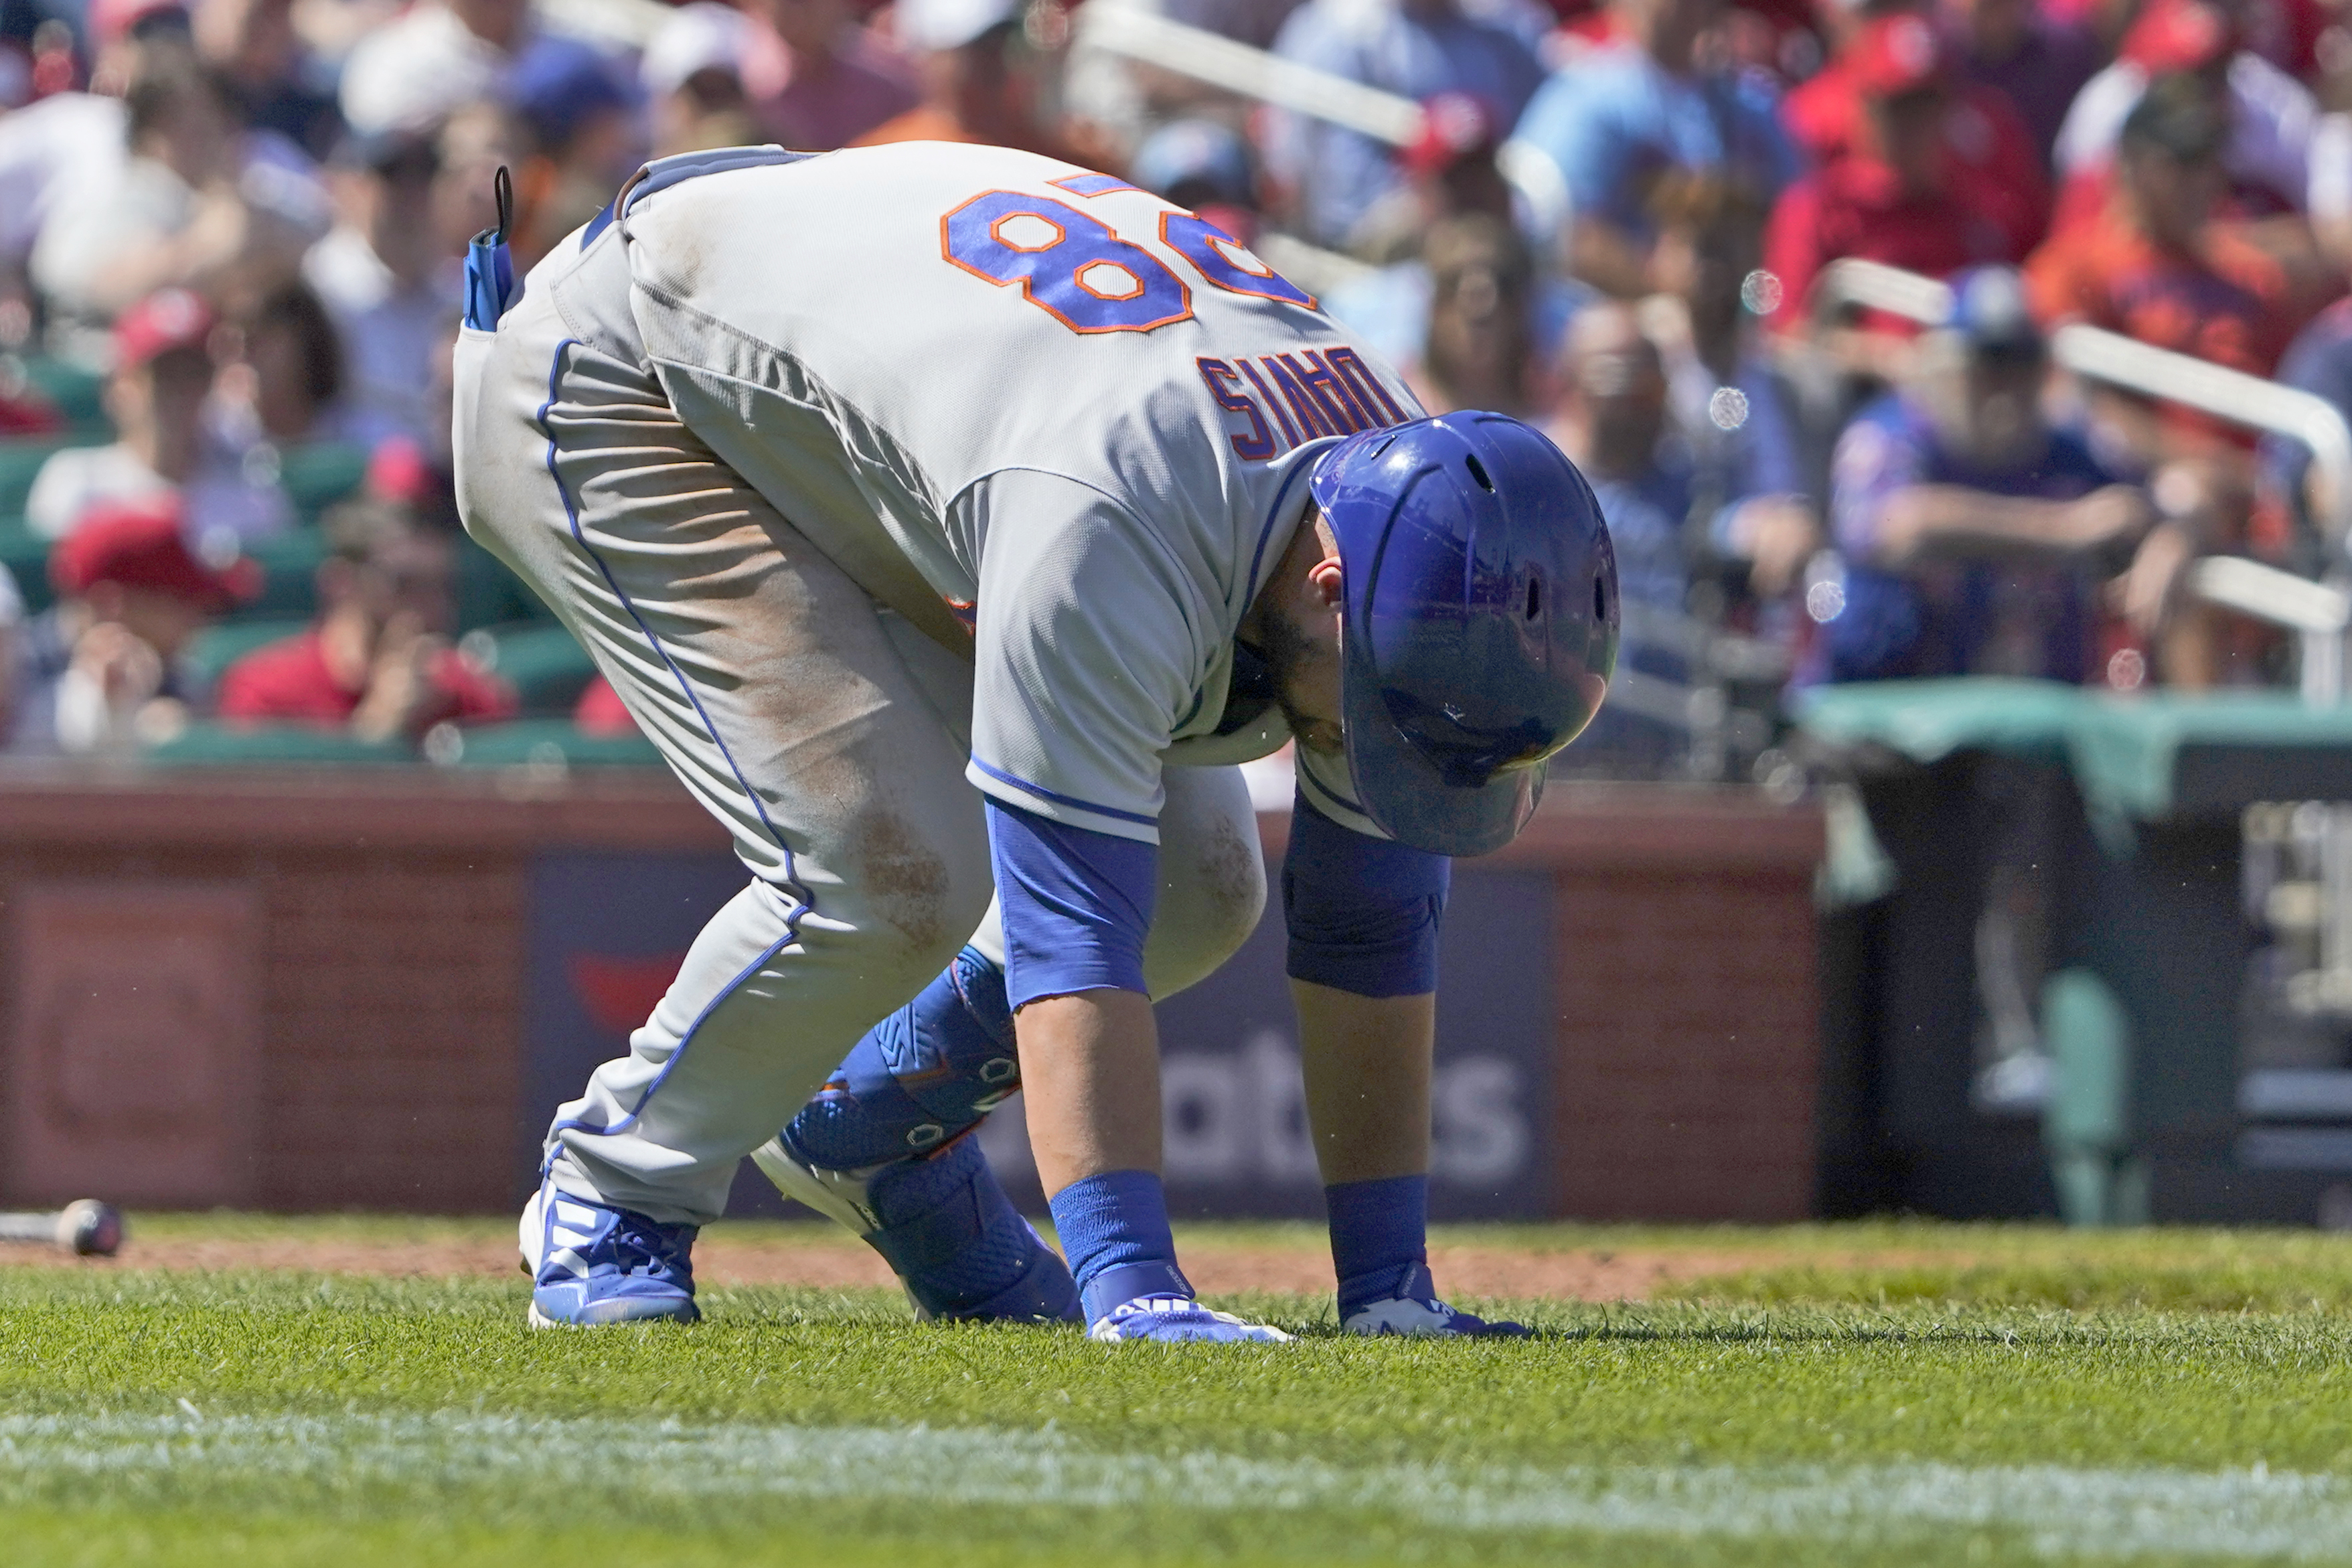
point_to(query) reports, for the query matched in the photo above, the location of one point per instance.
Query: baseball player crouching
(954, 520)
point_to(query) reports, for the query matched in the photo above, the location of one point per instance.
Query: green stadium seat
(225, 745)
(318, 474)
(214, 648)
(289, 565)
(20, 459)
(25, 556)
(78, 394)
(540, 659)
(488, 595)
(540, 743)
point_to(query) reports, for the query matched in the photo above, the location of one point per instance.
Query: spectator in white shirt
(187, 208)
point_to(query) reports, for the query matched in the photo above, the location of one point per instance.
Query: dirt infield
(721, 1259)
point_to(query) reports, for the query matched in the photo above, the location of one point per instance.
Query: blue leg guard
(962, 1248)
(880, 1149)
(924, 1074)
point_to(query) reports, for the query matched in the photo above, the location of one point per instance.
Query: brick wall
(393, 1021)
(1687, 1075)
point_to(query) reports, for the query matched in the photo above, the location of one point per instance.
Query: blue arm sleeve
(1076, 905)
(1363, 912)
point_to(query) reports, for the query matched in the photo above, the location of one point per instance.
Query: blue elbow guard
(1076, 905)
(1363, 912)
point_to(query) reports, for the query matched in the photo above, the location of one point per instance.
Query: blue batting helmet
(1479, 630)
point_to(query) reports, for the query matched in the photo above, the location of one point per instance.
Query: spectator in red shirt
(378, 661)
(2156, 264)
(99, 671)
(1985, 138)
(1900, 197)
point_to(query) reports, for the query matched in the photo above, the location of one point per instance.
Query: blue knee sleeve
(926, 1072)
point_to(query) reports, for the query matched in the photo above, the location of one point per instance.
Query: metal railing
(1874, 286)
(2250, 401)
(1152, 39)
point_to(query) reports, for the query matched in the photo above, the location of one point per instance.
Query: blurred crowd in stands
(230, 233)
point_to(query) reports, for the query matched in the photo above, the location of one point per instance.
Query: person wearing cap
(1900, 197)
(1619, 116)
(823, 81)
(975, 76)
(1413, 48)
(163, 445)
(99, 670)
(382, 273)
(2157, 264)
(2269, 121)
(1971, 535)
(956, 522)
(692, 74)
(378, 661)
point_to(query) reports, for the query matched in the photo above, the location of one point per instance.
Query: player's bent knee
(1213, 897)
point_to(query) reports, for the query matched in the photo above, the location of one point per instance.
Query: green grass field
(1904, 1395)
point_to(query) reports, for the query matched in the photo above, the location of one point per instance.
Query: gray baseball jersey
(1078, 416)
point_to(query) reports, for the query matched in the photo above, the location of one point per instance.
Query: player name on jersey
(1311, 395)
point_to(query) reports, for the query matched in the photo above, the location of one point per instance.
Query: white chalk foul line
(2058, 1510)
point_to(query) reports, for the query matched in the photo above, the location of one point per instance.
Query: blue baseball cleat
(1409, 1307)
(597, 1264)
(1171, 1320)
(944, 1226)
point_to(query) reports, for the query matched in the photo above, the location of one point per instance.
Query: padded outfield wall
(366, 988)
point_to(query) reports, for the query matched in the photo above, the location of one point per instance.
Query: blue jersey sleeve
(1363, 912)
(1076, 905)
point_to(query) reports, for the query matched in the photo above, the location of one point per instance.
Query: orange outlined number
(1068, 263)
(1226, 264)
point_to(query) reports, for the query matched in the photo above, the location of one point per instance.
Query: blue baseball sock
(1379, 1237)
(1114, 1231)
